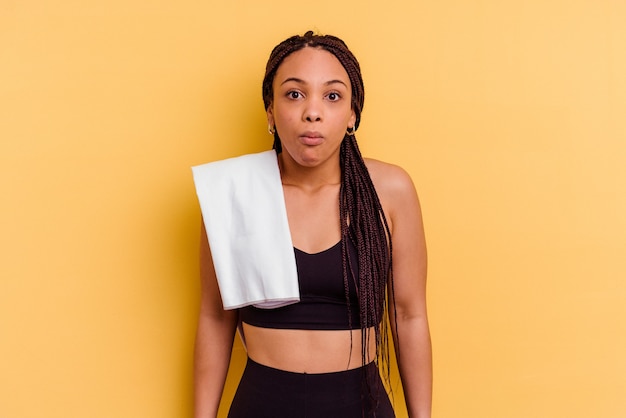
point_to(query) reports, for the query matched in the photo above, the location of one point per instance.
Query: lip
(311, 138)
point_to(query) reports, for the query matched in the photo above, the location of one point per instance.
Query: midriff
(307, 351)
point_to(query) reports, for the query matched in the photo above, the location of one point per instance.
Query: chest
(313, 218)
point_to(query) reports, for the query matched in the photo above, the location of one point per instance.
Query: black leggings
(265, 392)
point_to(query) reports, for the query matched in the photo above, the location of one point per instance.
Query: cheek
(344, 119)
(284, 119)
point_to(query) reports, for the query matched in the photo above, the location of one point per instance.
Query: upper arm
(409, 252)
(210, 299)
(402, 209)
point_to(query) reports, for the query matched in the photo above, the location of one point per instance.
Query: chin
(308, 161)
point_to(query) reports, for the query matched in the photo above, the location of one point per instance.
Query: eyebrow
(300, 81)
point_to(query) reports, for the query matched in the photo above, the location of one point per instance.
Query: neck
(293, 174)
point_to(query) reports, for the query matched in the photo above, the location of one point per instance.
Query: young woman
(354, 230)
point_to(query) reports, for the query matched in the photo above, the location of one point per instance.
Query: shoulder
(236, 168)
(389, 179)
(396, 192)
(245, 160)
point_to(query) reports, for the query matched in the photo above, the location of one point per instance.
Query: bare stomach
(307, 351)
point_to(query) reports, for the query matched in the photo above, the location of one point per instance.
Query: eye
(293, 94)
(333, 97)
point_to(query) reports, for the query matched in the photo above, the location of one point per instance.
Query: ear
(352, 120)
(270, 116)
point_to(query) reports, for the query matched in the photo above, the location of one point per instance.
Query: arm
(412, 336)
(214, 339)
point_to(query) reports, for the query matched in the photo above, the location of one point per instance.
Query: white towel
(244, 213)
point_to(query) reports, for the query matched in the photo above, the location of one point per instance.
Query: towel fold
(243, 207)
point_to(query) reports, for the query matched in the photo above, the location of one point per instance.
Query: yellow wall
(510, 116)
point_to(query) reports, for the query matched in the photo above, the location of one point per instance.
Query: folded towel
(244, 213)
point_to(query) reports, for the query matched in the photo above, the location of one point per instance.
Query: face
(311, 107)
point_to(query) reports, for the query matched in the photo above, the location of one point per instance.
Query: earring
(270, 129)
(350, 131)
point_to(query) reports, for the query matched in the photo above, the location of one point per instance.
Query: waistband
(357, 371)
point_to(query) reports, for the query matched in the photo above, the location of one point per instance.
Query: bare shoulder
(397, 194)
(391, 181)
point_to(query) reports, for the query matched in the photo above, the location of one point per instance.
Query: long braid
(371, 234)
(362, 219)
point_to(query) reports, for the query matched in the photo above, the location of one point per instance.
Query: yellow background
(510, 117)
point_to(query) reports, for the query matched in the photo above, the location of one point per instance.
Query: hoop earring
(270, 129)
(350, 131)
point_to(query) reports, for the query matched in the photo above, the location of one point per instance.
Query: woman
(320, 357)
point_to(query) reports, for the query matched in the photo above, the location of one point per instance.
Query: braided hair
(361, 215)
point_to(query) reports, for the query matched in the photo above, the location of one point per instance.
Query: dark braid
(361, 215)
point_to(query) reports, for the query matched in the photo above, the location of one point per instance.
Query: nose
(313, 110)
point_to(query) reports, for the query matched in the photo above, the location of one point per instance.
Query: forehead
(311, 65)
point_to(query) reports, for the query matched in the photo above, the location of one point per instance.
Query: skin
(311, 111)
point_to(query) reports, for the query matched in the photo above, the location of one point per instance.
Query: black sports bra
(322, 303)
